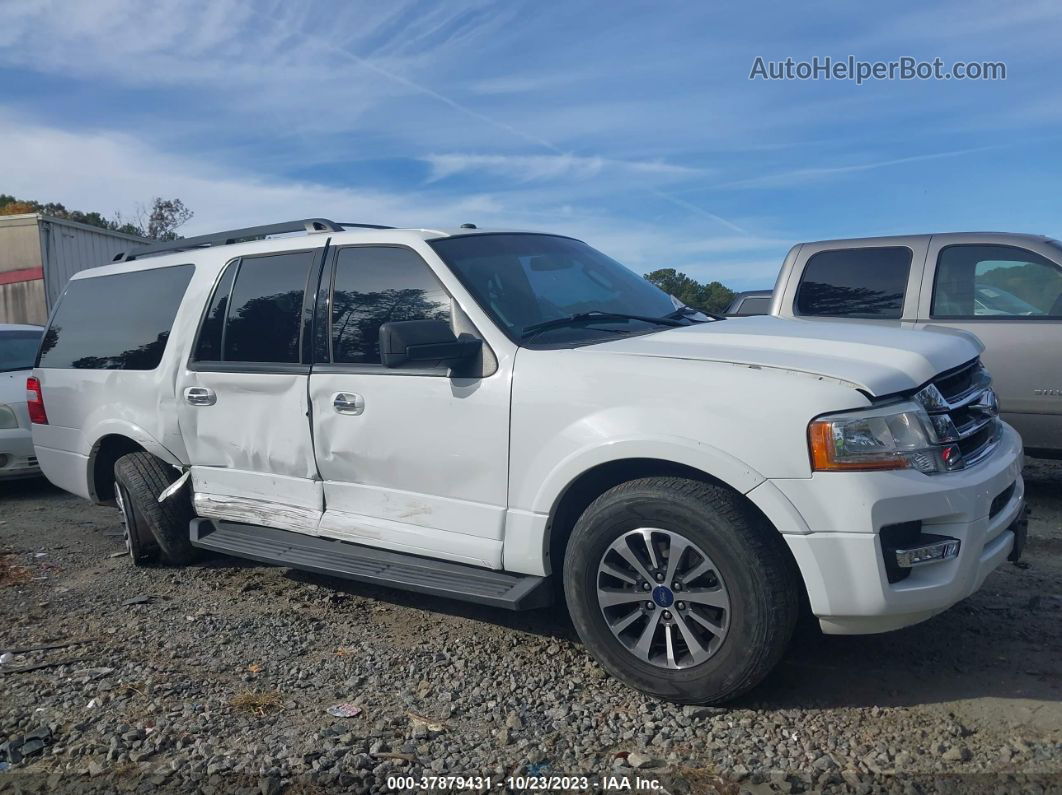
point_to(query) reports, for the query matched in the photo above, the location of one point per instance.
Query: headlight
(8, 419)
(897, 437)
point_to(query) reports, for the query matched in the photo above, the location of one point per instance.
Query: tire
(152, 527)
(747, 589)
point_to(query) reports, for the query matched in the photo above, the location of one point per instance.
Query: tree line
(160, 221)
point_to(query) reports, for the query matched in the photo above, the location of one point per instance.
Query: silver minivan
(1005, 288)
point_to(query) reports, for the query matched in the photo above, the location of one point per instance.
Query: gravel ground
(218, 678)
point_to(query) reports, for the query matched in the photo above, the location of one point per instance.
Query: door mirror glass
(426, 342)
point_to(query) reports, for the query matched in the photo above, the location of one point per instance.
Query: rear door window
(855, 282)
(995, 282)
(116, 322)
(255, 314)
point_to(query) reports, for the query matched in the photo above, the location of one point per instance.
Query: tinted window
(208, 348)
(375, 285)
(755, 305)
(118, 322)
(996, 281)
(525, 279)
(264, 313)
(18, 349)
(855, 282)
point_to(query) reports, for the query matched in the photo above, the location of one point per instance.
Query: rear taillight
(35, 402)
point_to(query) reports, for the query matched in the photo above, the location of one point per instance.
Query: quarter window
(996, 281)
(374, 285)
(116, 322)
(855, 282)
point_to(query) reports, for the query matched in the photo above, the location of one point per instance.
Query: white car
(18, 350)
(514, 417)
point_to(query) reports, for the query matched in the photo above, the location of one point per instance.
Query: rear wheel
(154, 531)
(680, 589)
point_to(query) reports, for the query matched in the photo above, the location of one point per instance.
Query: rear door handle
(348, 403)
(200, 396)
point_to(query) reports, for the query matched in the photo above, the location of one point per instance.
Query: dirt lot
(218, 678)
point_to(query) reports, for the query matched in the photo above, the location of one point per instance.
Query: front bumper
(841, 559)
(17, 459)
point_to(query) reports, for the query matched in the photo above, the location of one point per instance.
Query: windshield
(526, 280)
(18, 349)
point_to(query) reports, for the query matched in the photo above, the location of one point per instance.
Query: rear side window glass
(117, 322)
(375, 285)
(855, 282)
(996, 281)
(18, 349)
(208, 348)
(256, 315)
(754, 306)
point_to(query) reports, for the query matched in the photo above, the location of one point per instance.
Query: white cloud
(112, 171)
(802, 176)
(535, 167)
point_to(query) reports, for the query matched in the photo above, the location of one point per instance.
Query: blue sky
(633, 126)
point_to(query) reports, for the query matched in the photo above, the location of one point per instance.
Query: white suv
(512, 417)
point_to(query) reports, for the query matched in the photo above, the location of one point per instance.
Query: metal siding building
(39, 254)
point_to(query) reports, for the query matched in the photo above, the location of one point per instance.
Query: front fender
(674, 449)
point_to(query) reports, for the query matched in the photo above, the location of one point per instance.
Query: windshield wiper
(686, 311)
(15, 369)
(590, 317)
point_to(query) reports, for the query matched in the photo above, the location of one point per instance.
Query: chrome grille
(965, 414)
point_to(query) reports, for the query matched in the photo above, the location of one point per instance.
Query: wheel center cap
(662, 596)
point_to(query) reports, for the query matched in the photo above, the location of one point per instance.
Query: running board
(372, 565)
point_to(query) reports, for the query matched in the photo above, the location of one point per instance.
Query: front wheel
(680, 589)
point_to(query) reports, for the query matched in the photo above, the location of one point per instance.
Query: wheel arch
(580, 492)
(111, 446)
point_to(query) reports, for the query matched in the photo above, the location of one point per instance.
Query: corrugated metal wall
(68, 247)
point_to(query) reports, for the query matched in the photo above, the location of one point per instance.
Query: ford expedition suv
(1005, 288)
(513, 418)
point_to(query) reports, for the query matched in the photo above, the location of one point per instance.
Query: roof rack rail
(308, 225)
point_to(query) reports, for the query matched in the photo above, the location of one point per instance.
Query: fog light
(3, 460)
(939, 550)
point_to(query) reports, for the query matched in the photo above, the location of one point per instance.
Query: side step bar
(372, 565)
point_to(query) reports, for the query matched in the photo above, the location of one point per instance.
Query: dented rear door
(242, 399)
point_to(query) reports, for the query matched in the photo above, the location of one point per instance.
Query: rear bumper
(17, 459)
(842, 561)
(65, 469)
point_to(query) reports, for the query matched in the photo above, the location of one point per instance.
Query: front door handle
(200, 396)
(348, 403)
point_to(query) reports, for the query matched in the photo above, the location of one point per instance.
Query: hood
(880, 359)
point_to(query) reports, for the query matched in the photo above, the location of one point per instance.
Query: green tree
(709, 297)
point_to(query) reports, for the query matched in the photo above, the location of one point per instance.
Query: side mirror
(424, 341)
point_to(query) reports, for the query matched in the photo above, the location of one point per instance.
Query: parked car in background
(1005, 288)
(750, 302)
(18, 350)
(504, 416)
